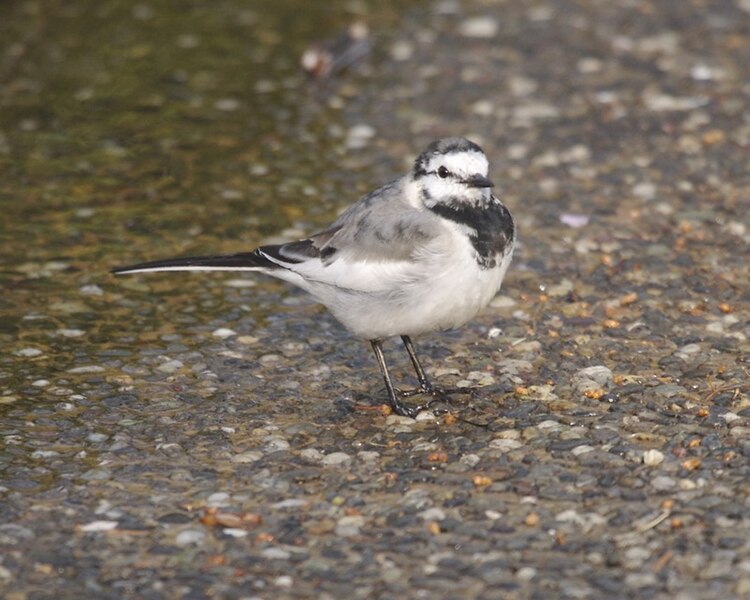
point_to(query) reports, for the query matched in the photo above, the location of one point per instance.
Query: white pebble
(653, 457)
(170, 366)
(70, 333)
(240, 283)
(598, 374)
(368, 455)
(236, 533)
(505, 445)
(275, 443)
(312, 454)
(227, 104)
(402, 50)
(44, 454)
(478, 27)
(250, 456)
(290, 503)
(190, 536)
(223, 332)
(283, 581)
(87, 369)
(218, 499)
(470, 460)
(663, 483)
(276, 554)
(28, 352)
(432, 514)
(425, 415)
(359, 135)
(336, 458)
(91, 290)
(349, 526)
(96, 526)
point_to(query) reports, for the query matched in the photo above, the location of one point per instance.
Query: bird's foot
(426, 389)
(411, 411)
(439, 393)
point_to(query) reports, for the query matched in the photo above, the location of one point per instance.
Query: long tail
(245, 261)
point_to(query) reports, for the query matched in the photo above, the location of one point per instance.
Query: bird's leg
(425, 387)
(398, 408)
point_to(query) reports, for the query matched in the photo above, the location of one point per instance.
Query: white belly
(447, 291)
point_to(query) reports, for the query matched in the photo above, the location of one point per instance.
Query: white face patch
(460, 166)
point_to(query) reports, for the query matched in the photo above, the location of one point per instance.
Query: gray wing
(380, 227)
(376, 243)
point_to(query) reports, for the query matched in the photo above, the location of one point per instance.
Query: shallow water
(135, 132)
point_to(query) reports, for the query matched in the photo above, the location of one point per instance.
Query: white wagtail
(424, 252)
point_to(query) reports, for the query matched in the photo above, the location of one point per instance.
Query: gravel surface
(222, 437)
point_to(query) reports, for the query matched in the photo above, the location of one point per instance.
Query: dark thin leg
(424, 383)
(425, 387)
(398, 408)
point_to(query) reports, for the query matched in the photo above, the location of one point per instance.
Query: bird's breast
(490, 228)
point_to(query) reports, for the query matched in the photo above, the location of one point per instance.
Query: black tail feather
(242, 261)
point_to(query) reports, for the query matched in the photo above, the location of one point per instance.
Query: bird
(424, 252)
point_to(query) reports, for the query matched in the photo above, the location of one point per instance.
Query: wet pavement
(193, 436)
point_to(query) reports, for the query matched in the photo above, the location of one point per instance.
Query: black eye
(443, 172)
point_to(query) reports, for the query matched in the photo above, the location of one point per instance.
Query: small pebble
(336, 458)
(478, 27)
(275, 443)
(91, 290)
(359, 135)
(70, 333)
(236, 533)
(349, 526)
(580, 450)
(190, 536)
(291, 503)
(432, 514)
(402, 50)
(227, 104)
(505, 445)
(218, 499)
(312, 454)
(170, 366)
(284, 581)
(653, 457)
(223, 332)
(275, 554)
(250, 456)
(599, 374)
(663, 483)
(87, 369)
(28, 352)
(98, 526)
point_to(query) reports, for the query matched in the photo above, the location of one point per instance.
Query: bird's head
(452, 171)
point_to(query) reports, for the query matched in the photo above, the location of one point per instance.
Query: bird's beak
(479, 181)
